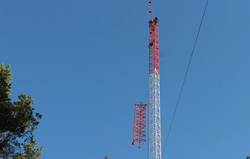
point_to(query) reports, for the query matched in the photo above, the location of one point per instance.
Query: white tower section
(154, 117)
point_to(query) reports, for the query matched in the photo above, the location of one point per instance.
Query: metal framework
(140, 124)
(154, 88)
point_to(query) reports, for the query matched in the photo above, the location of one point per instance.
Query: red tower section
(140, 124)
(154, 66)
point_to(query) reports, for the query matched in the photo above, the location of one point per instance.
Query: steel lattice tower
(154, 88)
(140, 124)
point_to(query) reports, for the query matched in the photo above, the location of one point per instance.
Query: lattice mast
(140, 124)
(154, 88)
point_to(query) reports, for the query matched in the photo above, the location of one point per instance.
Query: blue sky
(86, 64)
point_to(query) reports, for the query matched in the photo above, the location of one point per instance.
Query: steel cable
(184, 80)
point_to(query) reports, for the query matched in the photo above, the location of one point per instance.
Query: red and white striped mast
(154, 88)
(154, 114)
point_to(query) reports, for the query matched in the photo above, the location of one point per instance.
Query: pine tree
(17, 122)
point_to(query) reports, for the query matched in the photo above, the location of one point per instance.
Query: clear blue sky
(86, 64)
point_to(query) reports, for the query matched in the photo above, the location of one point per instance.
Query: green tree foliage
(17, 122)
(248, 157)
(106, 157)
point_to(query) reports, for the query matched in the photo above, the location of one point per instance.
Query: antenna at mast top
(150, 10)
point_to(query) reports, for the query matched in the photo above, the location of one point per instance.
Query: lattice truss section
(154, 59)
(154, 117)
(140, 124)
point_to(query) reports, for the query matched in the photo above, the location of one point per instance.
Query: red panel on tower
(140, 124)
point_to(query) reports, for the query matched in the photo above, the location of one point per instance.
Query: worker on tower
(156, 20)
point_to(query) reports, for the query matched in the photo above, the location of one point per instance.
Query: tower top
(150, 10)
